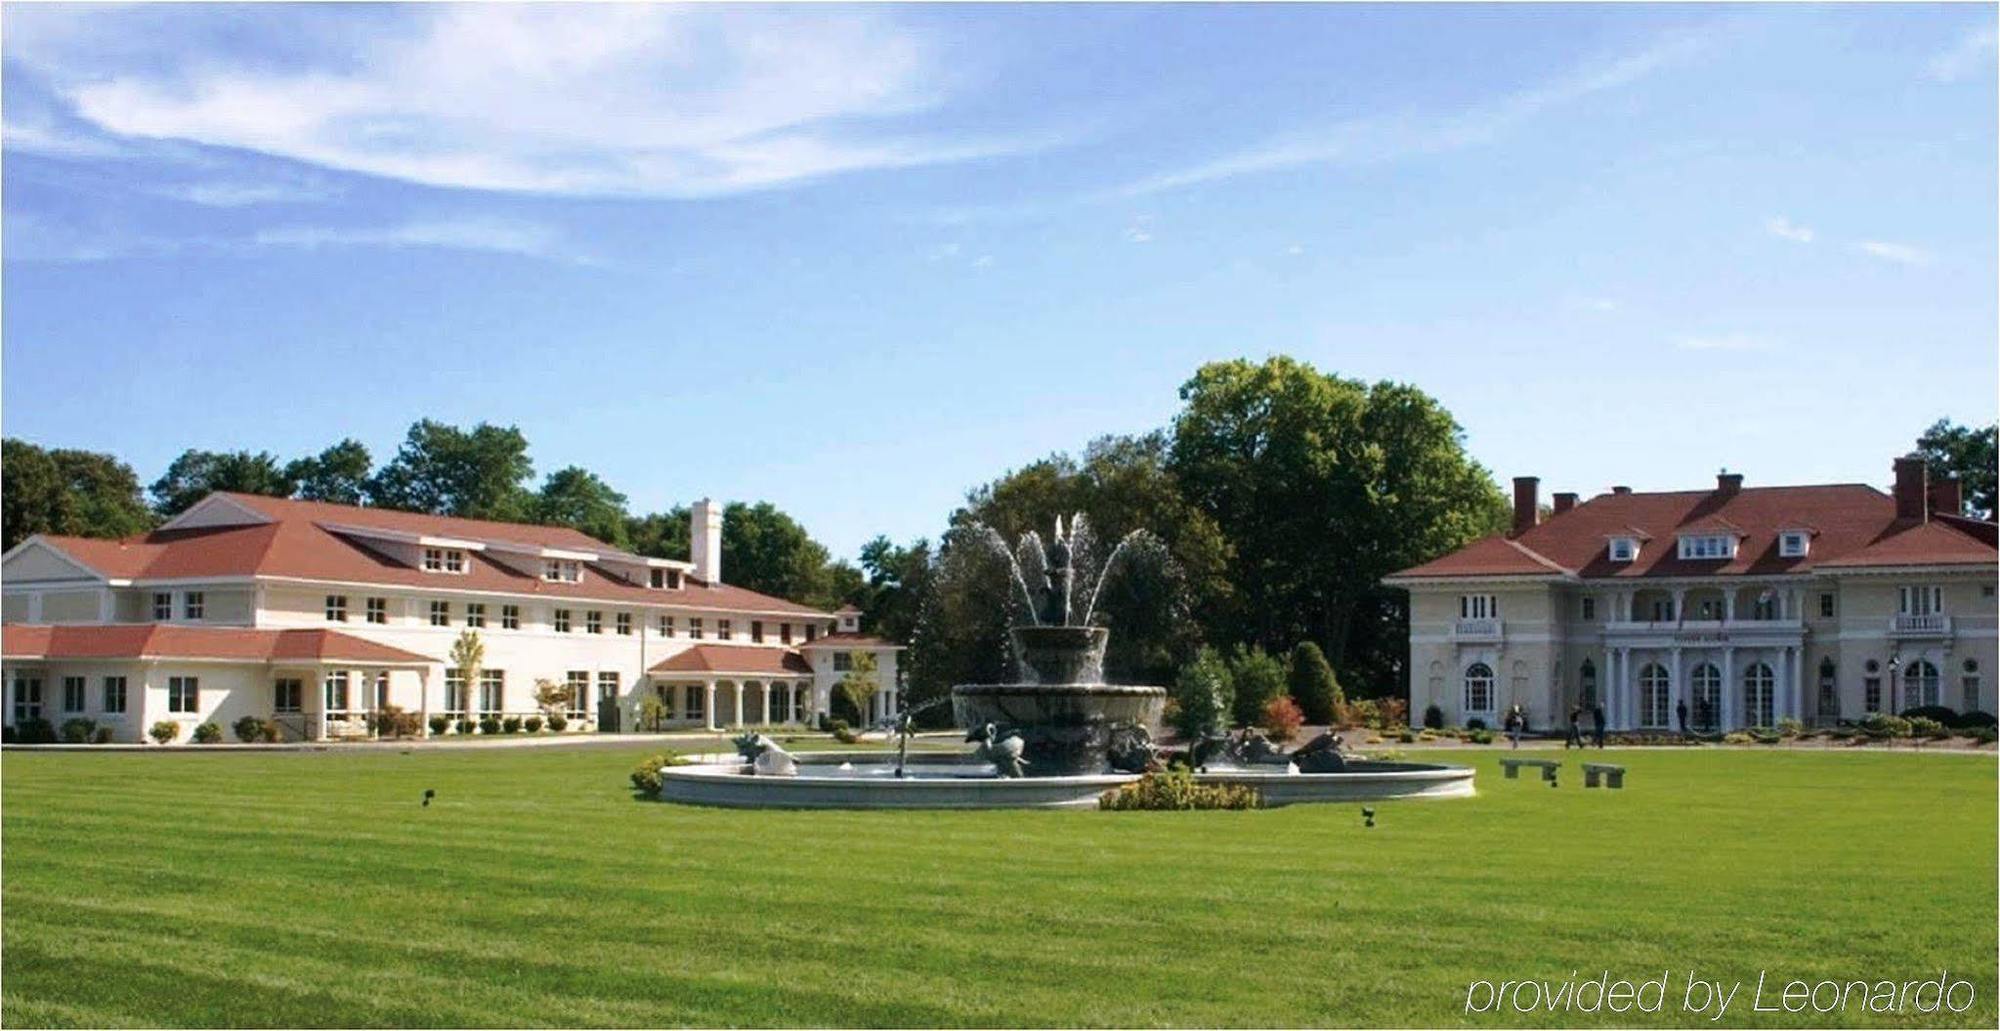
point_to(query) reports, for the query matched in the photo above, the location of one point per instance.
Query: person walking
(1575, 738)
(1514, 721)
(1597, 723)
(1681, 711)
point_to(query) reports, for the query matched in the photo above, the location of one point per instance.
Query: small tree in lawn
(858, 684)
(1313, 684)
(468, 655)
(552, 697)
(1258, 677)
(1203, 695)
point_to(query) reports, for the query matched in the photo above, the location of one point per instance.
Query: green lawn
(311, 889)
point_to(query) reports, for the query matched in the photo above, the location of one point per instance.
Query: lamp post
(1894, 687)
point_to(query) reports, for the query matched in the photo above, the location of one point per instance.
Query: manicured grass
(311, 889)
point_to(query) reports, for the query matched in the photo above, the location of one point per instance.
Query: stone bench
(1513, 767)
(1614, 776)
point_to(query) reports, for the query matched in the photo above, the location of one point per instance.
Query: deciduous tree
(444, 470)
(339, 474)
(196, 474)
(1967, 452)
(66, 491)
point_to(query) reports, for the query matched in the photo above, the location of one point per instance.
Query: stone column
(1730, 690)
(1677, 692)
(708, 705)
(736, 691)
(767, 702)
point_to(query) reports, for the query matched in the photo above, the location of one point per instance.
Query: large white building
(316, 615)
(1748, 605)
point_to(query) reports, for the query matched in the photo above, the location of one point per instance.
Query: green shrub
(207, 733)
(101, 736)
(1406, 736)
(1938, 713)
(1984, 735)
(1313, 683)
(511, 724)
(1766, 736)
(1975, 718)
(1205, 695)
(1737, 737)
(646, 775)
(1789, 727)
(1924, 726)
(464, 726)
(558, 722)
(1258, 678)
(77, 730)
(165, 731)
(1842, 733)
(393, 721)
(439, 724)
(1433, 718)
(247, 729)
(489, 725)
(1178, 790)
(1475, 723)
(532, 724)
(35, 731)
(1482, 736)
(843, 733)
(1282, 719)
(1879, 725)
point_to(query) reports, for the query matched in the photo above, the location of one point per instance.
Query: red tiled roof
(1853, 524)
(849, 641)
(154, 640)
(735, 658)
(297, 545)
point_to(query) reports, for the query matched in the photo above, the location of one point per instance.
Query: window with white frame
(163, 606)
(333, 690)
(1759, 695)
(694, 702)
(1478, 606)
(843, 661)
(287, 694)
(1588, 605)
(607, 689)
(454, 690)
(756, 631)
(27, 698)
(183, 694)
(376, 610)
(74, 689)
(1708, 546)
(381, 690)
(1794, 544)
(115, 692)
(812, 631)
(1655, 695)
(657, 578)
(336, 608)
(1925, 600)
(510, 617)
(1706, 681)
(1826, 606)
(694, 627)
(562, 621)
(722, 631)
(1871, 694)
(784, 633)
(1478, 688)
(1970, 687)
(193, 605)
(1921, 685)
(444, 560)
(593, 622)
(1624, 549)
(492, 690)
(562, 570)
(578, 682)
(623, 622)
(440, 613)
(475, 614)
(666, 626)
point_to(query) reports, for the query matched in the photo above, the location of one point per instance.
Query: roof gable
(39, 559)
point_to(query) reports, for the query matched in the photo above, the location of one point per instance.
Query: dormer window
(444, 560)
(562, 570)
(1794, 544)
(665, 579)
(1708, 546)
(1624, 549)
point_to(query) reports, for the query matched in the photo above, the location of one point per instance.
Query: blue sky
(856, 260)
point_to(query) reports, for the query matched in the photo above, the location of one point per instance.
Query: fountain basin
(1065, 728)
(959, 782)
(1060, 654)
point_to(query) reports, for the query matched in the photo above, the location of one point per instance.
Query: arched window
(1829, 691)
(1479, 688)
(1587, 685)
(1920, 684)
(1656, 696)
(1706, 681)
(1759, 695)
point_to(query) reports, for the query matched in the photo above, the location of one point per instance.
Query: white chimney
(705, 541)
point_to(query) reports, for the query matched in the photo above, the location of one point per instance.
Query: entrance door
(607, 707)
(27, 699)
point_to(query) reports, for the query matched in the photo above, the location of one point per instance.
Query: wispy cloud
(492, 235)
(1900, 253)
(1140, 230)
(1785, 228)
(1973, 53)
(1396, 137)
(1723, 342)
(1601, 304)
(224, 193)
(632, 100)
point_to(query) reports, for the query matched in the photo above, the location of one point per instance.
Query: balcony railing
(1698, 631)
(1477, 630)
(1932, 625)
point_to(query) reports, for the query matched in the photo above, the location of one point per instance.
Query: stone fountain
(1065, 714)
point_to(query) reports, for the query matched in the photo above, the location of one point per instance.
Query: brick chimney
(1565, 500)
(1525, 501)
(1912, 484)
(1621, 489)
(1727, 482)
(1947, 497)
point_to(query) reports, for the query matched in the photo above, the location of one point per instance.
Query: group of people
(1516, 724)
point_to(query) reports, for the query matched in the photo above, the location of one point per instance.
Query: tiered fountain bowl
(1063, 710)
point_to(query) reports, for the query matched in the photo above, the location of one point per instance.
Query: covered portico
(718, 686)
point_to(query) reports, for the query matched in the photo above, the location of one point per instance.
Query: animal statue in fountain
(1252, 748)
(765, 757)
(1131, 750)
(1321, 755)
(1210, 745)
(1003, 751)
